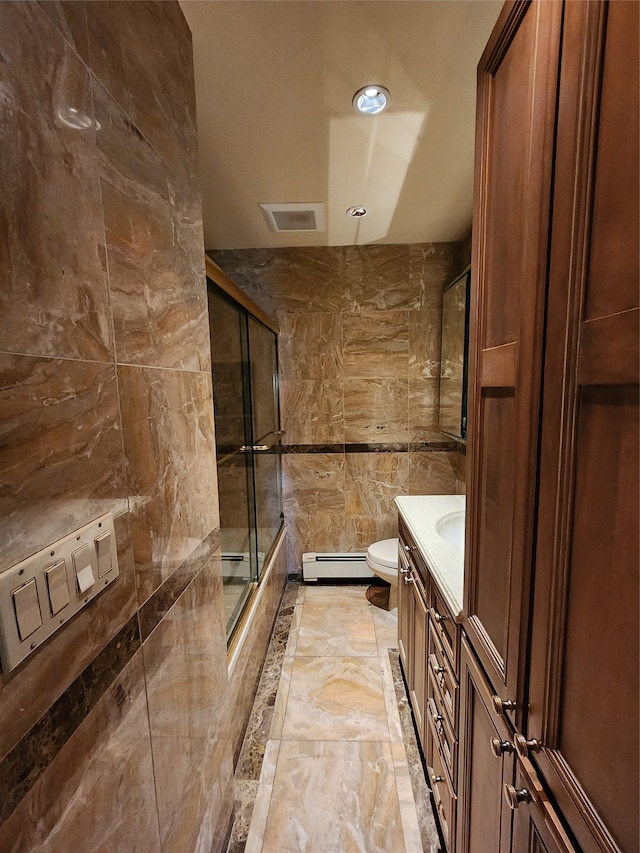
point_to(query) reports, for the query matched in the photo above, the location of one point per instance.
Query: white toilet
(382, 559)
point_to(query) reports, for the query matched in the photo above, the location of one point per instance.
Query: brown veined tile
(152, 85)
(424, 407)
(362, 531)
(312, 411)
(104, 769)
(320, 530)
(310, 346)
(424, 342)
(314, 481)
(315, 280)
(431, 267)
(432, 473)
(169, 444)
(186, 673)
(55, 298)
(70, 17)
(372, 481)
(261, 273)
(375, 409)
(376, 343)
(61, 458)
(376, 278)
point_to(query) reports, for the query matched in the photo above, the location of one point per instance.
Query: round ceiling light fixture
(357, 211)
(371, 100)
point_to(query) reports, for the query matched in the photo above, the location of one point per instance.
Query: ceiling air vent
(294, 217)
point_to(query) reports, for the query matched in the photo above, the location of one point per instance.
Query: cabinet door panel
(484, 821)
(514, 154)
(584, 646)
(537, 827)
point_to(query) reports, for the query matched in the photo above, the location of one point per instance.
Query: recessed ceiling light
(371, 100)
(357, 211)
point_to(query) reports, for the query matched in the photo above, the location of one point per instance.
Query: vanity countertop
(421, 513)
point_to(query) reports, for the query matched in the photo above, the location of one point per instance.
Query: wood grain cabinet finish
(551, 595)
(517, 79)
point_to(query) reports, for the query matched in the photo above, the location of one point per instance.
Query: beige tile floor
(335, 777)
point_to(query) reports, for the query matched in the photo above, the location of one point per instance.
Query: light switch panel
(104, 545)
(57, 587)
(83, 568)
(42, 593)
(27, 609)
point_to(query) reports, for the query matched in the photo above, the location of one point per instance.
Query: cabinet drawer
(443, 794)
(446, 629)
(444, 677)
(441, 730)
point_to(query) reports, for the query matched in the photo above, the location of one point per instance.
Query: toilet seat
(384, 553)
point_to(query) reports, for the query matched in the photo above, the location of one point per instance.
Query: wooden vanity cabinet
(413, 627)
(551, 572)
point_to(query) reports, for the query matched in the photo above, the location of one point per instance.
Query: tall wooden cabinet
(551, 601)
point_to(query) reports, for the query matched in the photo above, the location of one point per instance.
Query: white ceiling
(274, 85)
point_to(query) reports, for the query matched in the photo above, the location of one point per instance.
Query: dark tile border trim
(162, 600)
(374, 447)
(22, 767)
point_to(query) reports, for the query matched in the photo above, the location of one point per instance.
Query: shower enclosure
(244, 366)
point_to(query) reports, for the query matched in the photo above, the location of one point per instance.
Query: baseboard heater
(335, 567)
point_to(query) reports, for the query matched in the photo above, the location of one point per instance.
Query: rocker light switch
(57, 587)
(40, 594)
(28, 616)
(83, 568)
(103, 550)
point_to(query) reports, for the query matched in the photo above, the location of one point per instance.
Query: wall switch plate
(40, 594)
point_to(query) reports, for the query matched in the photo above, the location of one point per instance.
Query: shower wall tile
(98, 792)
(185, 665)
(424, 342)
(376, 344)
(312, 411)
(377, 278)
(61, 456)
(71, 19)
(159, 303)
(310, 346)
(424, 407)
(376, 409)
(168, 433)
(259, 272)
(154, 86)
(431, 267)
(433, 473)
(54, 300)
(315, 280)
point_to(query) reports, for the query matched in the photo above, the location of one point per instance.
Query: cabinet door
(537, 828)
(405, 614)
(584, 664)
(484, 821)
(418, 691)
(515, 128)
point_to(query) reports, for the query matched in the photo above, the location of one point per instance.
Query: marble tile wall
(120, 732)
(359, 368)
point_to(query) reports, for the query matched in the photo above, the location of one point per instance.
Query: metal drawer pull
(408, 579)
(499, 747)
(438, 617)
(407, 548)
(502, 705)
(404, 571)
(435, 666)
(437, 718)
(515, 796)
(524, 746)
(435, 780)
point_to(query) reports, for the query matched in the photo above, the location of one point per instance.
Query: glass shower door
(232, 409)
(263, 355)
